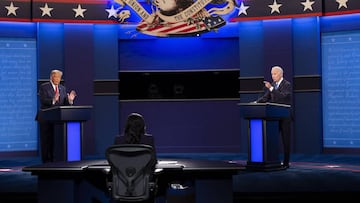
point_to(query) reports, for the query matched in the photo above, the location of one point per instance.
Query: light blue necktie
(276, 86)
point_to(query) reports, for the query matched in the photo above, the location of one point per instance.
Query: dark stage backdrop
(242, 48)
(187, 89)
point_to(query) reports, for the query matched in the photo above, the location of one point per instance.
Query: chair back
(132, 170)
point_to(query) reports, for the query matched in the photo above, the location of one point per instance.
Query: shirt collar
(53, 85)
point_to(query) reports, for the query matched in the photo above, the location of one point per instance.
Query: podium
(263, 133)
(68, 121)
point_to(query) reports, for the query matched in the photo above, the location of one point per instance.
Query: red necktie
(56, 89)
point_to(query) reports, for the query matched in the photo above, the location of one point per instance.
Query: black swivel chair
(132, 173)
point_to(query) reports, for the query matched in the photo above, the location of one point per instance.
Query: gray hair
(55, 71)
(278, 68)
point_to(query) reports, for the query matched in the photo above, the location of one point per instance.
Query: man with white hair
(280, 91)
(51, 94)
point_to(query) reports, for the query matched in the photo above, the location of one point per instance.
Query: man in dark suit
(280, 91)
(51, 94)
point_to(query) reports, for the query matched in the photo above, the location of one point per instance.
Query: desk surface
(165, 164)
(211, 179)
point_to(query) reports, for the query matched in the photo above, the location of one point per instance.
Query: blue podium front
(263, 133)
(69, 129)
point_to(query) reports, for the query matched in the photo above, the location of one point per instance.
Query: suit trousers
(46, 141)
(285, 131)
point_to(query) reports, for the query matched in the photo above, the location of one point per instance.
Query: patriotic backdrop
(169, 17)
(104, 11)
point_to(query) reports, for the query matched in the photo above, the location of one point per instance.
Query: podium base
(264, 166)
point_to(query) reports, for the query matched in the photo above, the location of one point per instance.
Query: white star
(308, 5)
(79, 11)
(112, 12)
(342, 3)
(11, 9)
(46, 10)
(242, 9)
(275, 7)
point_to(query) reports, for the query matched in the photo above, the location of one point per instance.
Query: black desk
(85, 181)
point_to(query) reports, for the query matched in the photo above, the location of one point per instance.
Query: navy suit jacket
(282, 95)
(46, 94)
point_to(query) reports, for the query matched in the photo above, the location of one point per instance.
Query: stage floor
(323, 177)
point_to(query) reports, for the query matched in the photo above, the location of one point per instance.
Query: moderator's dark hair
(134, 128)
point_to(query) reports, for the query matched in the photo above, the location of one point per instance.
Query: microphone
(264, 90)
